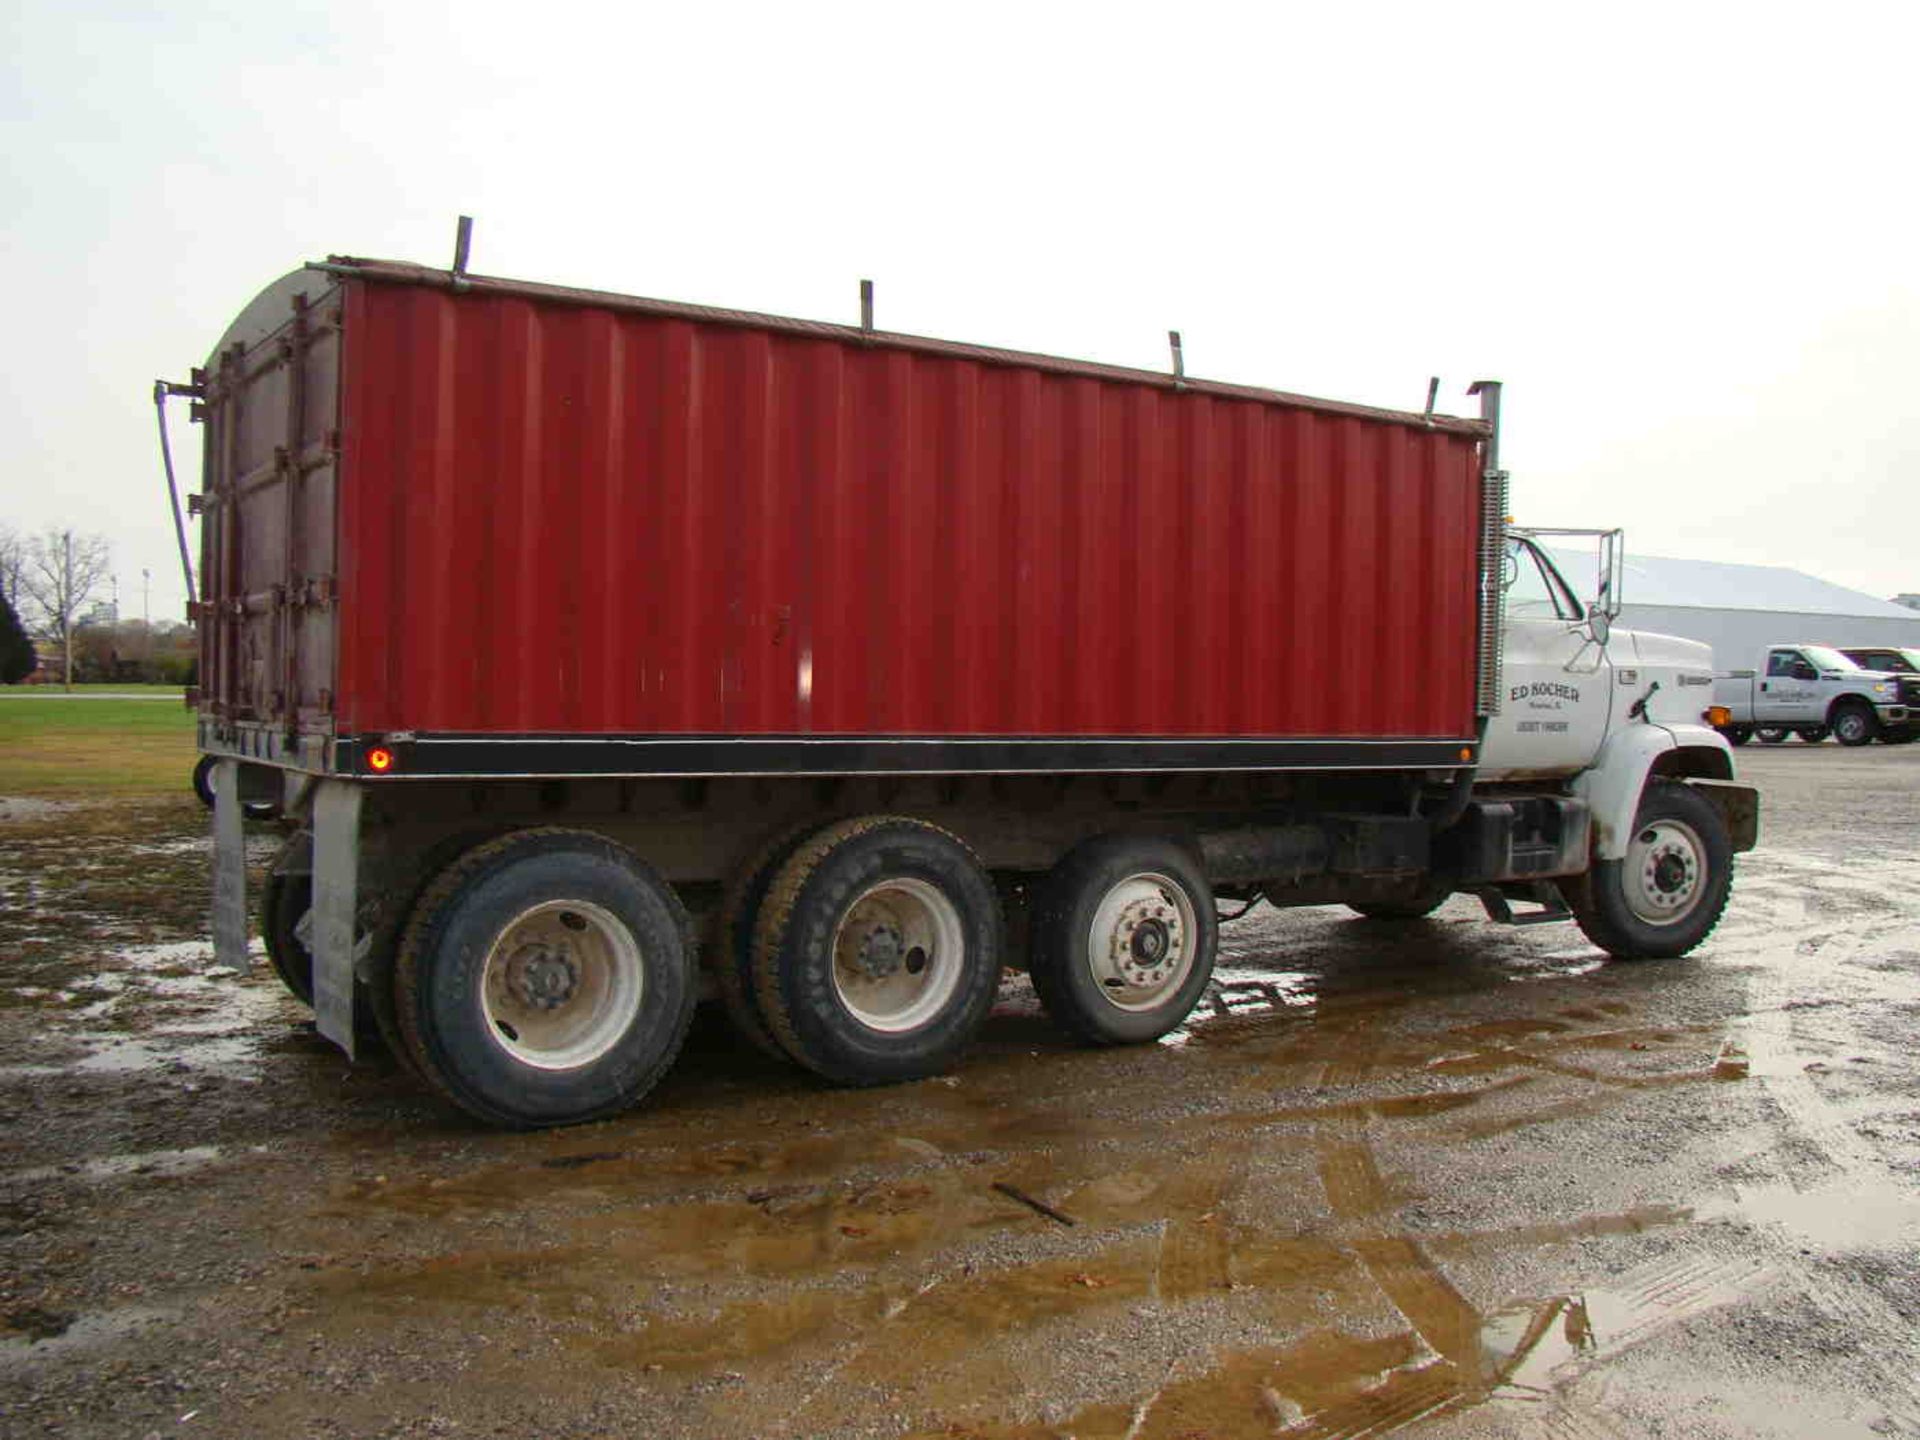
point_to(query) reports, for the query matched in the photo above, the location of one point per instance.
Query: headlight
(1880, 687)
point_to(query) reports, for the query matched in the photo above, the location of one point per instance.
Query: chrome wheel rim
(561, 984)
(899, 953)
(1665, 872)
(1850, 726)
(1141, 941)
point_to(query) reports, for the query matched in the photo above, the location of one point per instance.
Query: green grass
(96, 687)
(69, 747)
(108, 687)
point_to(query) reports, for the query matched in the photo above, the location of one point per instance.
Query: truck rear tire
(1771, 735)
(203, 788)
(203, 779)
(545, 978)
(1738, 734)
(1855, 724)
(1666, 896)
(739, 914)
(283, 900)
(1124, 939)
(878, 951)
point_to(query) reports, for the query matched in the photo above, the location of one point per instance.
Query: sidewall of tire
(739, 919)
(283, 899)
(1061, 971)
(812, 1021)
(203, 780)
(442, 971)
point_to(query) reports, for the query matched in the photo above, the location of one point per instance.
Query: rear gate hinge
(1499, 902)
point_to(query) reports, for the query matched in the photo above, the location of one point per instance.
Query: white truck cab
(1619, 722)
(1572, 682)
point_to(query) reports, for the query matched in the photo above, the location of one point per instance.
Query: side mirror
(1600, 623)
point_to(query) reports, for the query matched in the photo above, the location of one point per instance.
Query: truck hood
(1650, 647)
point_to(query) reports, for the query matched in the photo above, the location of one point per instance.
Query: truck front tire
(878, 951)
(545, 978)
(1855, 724)
(1124, 939)
(1666, 896)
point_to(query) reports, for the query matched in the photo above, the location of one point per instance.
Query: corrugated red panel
(562, 518)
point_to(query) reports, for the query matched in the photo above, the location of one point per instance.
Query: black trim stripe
(555, 756)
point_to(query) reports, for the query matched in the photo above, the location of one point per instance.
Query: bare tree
(62, 572)
(13, 561)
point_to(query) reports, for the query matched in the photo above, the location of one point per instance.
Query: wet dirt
(1438, 1179)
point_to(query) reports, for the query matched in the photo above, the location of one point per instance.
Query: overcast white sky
(1683, 235)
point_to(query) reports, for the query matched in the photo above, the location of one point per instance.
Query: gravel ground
(1444, 1179)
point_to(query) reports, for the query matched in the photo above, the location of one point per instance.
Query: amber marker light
(1466, 754)
(380, 760)
(1718, 715)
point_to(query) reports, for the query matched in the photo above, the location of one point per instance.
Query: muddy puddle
(155, 1007)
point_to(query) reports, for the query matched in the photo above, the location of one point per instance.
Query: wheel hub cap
(1147, 942)
(882, 952)
(1669, 873)
(1150, 941)
(1665, 863)
(543, 976)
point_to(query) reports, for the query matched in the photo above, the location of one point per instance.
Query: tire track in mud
(934, 1304)
(1780, 1023)
(1783, 1026)
(1462, 1367)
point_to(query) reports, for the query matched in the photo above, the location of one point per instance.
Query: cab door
(1789, 691)
(1558, 679)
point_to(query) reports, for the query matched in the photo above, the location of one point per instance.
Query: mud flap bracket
(336, 884)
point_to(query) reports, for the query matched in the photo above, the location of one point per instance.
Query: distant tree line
(49, 590)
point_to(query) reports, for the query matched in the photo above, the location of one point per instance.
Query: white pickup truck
(1813, 691)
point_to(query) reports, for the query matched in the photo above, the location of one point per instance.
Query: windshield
(1533, 587)
(1827, 659)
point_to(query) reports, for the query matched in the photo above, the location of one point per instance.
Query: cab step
(1500, 900)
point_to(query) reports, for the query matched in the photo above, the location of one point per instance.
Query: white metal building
(1742, 609)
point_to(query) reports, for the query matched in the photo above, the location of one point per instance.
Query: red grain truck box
(593, 652)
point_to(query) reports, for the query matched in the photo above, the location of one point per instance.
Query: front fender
(1613, 785)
